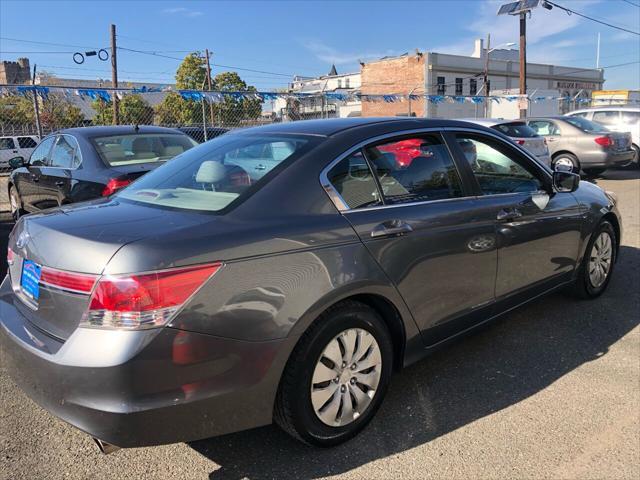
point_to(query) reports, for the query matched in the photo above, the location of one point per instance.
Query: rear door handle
(508, 214)
(392, 227)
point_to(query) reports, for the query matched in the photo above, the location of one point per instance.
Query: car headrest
(141, 145)
(113, 151)
(210, 172)
(172, 151)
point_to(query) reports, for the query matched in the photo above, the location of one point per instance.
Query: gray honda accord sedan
(283, 273)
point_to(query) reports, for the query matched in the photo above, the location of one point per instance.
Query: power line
(571, 12)
(45, 43)
(631, 3)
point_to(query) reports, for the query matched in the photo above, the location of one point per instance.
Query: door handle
(59, 184)
(508, 214)
(260, 167)
(392, 227)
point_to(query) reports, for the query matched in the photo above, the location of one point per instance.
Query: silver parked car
(579, 144)
(617, 119)
(520, 133)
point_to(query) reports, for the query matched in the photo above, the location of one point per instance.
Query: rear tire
(567, 160)
(311, 376)
(589, 283)
(635, 163)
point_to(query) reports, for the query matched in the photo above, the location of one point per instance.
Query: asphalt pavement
(551, 390)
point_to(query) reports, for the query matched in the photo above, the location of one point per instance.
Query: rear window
(516, 129)
(216, 173)
(117, 150)
(585, 125)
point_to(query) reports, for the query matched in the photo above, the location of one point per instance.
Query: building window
(458, 86)
(442, 88)
(473, 87)
(339, 83)
(346, 83)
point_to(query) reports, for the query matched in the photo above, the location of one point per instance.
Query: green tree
(56, 111)
(16, 111)
(134, 110)
(231, 111)
(192, 72)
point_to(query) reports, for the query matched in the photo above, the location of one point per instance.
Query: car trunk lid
(76, 240)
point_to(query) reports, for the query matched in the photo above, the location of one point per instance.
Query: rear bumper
(606, 159)
(143, 388)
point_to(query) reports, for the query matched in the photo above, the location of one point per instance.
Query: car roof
(332, 126)
(490, 122)
(625, 108)
(117, 130)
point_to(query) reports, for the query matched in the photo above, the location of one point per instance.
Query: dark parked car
(191, 304)
(578, 144)
(198, 133)
(79, 164)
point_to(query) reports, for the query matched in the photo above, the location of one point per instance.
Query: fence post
(36, 109)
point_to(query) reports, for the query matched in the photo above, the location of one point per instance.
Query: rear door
(57, 175)
(424, 229)
(550, 131)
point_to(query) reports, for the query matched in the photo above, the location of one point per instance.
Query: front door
(537, 230)
(28, 179)
(417, 220)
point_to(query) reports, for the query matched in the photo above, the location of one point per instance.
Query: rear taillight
(520, 142)
(114, 185)
(146, 300)
(604, 141)
(10, 256)
(69, 281)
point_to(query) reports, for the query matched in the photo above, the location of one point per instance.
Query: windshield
(117, 150)
(214, 174)
(586, 125)
(516, 129)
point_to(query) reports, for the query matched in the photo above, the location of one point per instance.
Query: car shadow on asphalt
(517, 356)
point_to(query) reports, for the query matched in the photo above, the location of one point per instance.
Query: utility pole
(36, 107)
(114, 77)
(486, 76)
(523, 63)
(206, 54)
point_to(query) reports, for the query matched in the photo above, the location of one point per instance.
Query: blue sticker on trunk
(30, 279)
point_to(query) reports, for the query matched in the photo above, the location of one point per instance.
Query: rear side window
(354, 182)
(427, 171)
(27, 142)
(516, 129)
(118, 150)
(607, 117)
(586, 125)
(216, 173)
(7, 144)
(65, 153)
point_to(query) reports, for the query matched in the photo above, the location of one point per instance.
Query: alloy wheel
(600, 260)
(346, 377)
(565, 164)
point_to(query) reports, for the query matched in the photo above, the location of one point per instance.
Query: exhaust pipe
(105, 447)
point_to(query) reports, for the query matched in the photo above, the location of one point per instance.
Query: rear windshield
(585, 125)
(516, 129)
(117, 150)
(214, 174)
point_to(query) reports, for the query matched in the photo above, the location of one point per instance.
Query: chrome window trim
(342, 206)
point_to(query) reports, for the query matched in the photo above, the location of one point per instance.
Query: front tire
(336, 377)
(597, 265)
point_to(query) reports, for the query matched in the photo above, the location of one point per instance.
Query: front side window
(27, 142)
(65, 153)
(415, 169)
(118, 150)
(630, 118)
(7, 144)
(544, 127)
(216, 173)
(607, 117)
(39, 155)
(497, 168)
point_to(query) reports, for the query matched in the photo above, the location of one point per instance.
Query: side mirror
(565, 181)
(17, 162)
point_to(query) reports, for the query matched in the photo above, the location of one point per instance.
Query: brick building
(15, 73)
